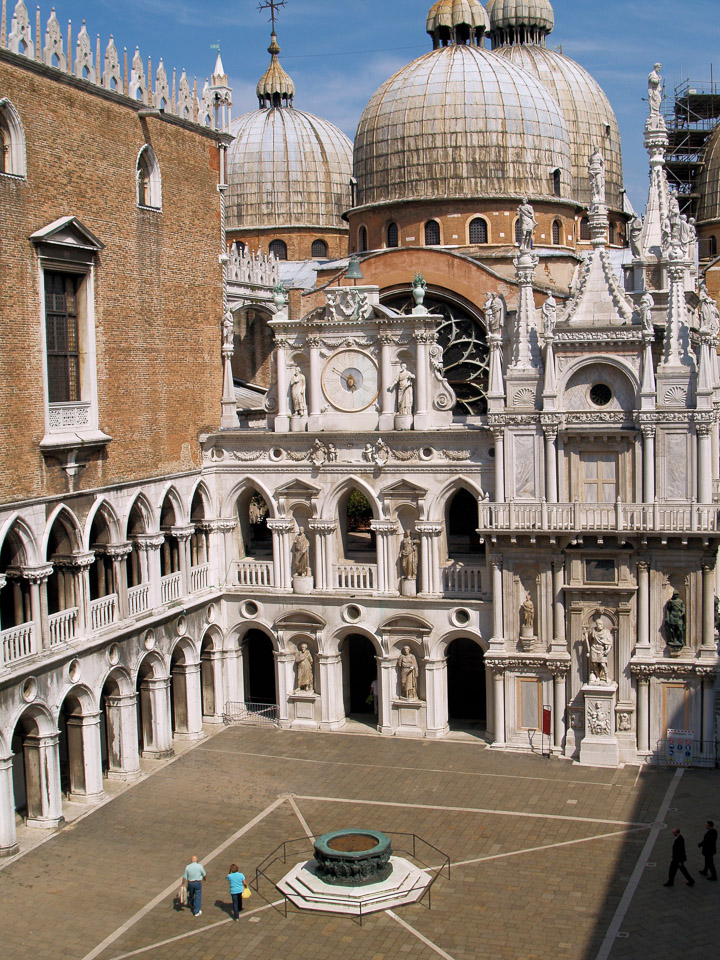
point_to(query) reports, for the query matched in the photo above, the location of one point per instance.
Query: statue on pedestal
(304, 663)
(301, 554)
(636, 229)
(409, 556)
(596, 169)
(408, 670)
(526, 215)
(404, 384)
(655, 91)
(646, 305)
(675, 622)
(228, 331)
(297, 394)
(549, 313)
(598, 642)
(708, 312)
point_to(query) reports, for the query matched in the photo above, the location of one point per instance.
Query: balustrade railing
(138, 599)
(17, 642)
(356, 576)
(462, 579)
(528, 516)
(254, 573)
(103, 611)
(199, 577)
(170, 587)
(62, 626)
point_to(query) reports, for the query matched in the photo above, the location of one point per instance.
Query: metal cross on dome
(272, 6)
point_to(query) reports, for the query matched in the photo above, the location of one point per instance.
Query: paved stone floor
(549, 860)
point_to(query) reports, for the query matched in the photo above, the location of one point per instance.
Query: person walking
(193, 878)
(678, 860)
(237, 883)
(708, 848)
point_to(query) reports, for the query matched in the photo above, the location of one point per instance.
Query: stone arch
(18, 541)
(120, 680)
(438, 648)
(171, 498)
(79, 749)
(11, 128)
(622, 379)
(103, 507)
(118, 725)
(140, 509)
(186, 647)
(328, 511)
(467, 677)
(359, 649)
(200, 489)
(153, 660)
(84, 696)
(240, 630)
(213, 635)
(437, 510)
(70, 531)
(149, 179)
(38, 715)
(36, 771)
(228, 507)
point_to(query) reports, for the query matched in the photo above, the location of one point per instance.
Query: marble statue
(596, 169)
(646, 305)
(527, 608)
(487, 309)
(404, 384)
(708, 312)
(301, 554)
(304, 663)
(228, 331)
(598, 642)
(675, 622)
(409, 556)
(408, 670)
(636, 229)
(332, 453)
(318, 453)
(598, 720)
(297, 394)
(526, 215)
(655, 91)
(549, 313)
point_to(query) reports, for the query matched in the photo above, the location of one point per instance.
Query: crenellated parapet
(134, 79)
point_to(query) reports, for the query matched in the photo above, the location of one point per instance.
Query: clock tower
(355, 365)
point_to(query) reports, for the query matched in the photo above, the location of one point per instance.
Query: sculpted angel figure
(549, 313)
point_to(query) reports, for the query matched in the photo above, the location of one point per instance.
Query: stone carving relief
(598, 718)
(347, 306)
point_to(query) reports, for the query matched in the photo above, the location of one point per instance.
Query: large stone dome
(709, 180)
(460, 122)
(286, 168)
(590, 118)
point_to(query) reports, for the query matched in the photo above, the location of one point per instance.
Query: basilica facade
(466, 480)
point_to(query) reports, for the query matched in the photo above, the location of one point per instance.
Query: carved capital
(281, 526)
(37, 574)
(496, 561)
(75, 561)
(648, 430)
(117, 551)
(559, 668)
(428, 528)
(149, 541)
(183, 533)
(323, 526)
(384, 526)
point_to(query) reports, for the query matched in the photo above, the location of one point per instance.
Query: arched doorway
(153, 710)
(118, 728)
(259, 664)
(79, 747)
(359, 670)
(184, 693)
(36, 771)
(466, 684)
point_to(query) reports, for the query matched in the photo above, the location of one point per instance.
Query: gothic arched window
(149, 184)
(12, 141)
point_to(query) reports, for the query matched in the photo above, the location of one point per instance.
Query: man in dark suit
(678, 860)
(708, 847)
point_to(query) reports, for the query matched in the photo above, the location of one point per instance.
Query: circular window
(74, 670)
(352, 613)
(29, 690)
(250, 609)
(149, 640)
(600, 394)
(491, 453)
(460, 617)
(113, 654)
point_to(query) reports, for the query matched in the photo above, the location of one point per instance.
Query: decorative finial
(272, 6)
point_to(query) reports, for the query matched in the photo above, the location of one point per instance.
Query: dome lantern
(457, 22)
(275, 88)
(519, 21)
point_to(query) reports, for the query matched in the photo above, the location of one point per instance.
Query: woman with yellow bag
(239, 890)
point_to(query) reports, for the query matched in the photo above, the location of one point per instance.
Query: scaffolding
(691, 113)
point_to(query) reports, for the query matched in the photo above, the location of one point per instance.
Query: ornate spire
(275, 88)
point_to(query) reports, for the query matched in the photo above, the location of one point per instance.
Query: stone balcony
(659, 519)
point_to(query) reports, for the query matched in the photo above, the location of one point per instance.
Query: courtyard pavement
(550, 861)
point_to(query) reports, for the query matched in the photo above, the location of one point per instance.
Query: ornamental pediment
(298, 619)
(406, 624)
(68, 232)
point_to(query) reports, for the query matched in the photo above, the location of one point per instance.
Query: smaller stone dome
(457, 21)
(520, 21)
(275, 88)
(709, 180)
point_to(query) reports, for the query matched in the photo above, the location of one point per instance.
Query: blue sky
(338, 52)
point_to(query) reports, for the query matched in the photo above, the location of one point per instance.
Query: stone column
(225, 527)
(422, 366)
(430, 573)
(558, 573)
(387, 403)
(387, 578)
(436, 697)
(118, 552)
(282, 419)
(551, 478)
(85, 755)
(186, 688)
(157, 727)
(331, 686)
(499, 438)
(709, 643)
(151, 544)
(324, 531)
(704, 464)
(8, 833)
(559, 672)
(498, 637)
(182, 535)
(648, 433)
(643, 609)
(643, 711)
(42, 776)
(314, 391)
(281, 530)
(38, 578)
(229, 418)
(498, 672)
(387, 682)
(122, 735)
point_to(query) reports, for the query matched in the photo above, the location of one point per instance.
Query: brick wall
(158, 290)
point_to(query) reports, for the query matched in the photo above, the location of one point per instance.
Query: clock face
(350, 380)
